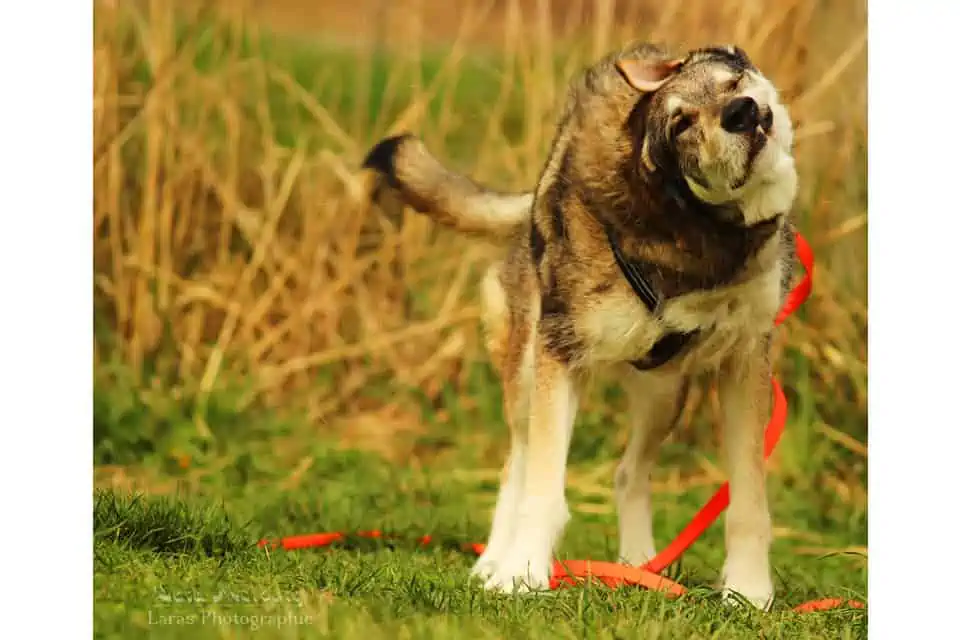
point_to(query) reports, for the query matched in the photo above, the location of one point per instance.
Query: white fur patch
(494, 301)
(674, 104)
(749, 580)
(504, 526)
(722, 76)
(526, 564)
(772, 188)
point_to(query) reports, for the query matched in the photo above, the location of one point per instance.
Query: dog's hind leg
(655, 402)
(543, 511)
(511, 358)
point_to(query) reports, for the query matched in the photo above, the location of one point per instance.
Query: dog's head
(713, 120)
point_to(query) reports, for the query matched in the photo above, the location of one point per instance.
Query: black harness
(670, 344)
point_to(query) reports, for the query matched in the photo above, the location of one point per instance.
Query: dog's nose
(740, 115)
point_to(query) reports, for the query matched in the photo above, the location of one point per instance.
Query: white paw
(758, 592)
(485, 566)
(524, 565)
(636, 557)
(746, 577)
(519, 575)
(519, 582)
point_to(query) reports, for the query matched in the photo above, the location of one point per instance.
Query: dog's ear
(648, 75)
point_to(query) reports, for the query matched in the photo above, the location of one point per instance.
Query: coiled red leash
(612, 574)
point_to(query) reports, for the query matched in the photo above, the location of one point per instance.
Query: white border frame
(46, 264)
(46, 258)
(914, 439)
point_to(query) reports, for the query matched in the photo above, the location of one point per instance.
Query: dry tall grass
(223, 256)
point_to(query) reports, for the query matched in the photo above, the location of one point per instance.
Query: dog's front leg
(745, 397)
(543, 509)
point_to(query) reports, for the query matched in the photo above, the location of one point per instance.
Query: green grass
(188, 546)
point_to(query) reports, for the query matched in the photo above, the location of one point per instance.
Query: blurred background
(245, 291)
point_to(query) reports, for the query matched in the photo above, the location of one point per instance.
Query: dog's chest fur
(617, 327)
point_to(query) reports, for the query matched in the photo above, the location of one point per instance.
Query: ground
(161, 557)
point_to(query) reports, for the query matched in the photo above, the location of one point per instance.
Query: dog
(658, 244)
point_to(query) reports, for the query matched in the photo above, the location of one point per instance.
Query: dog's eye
(680, 124)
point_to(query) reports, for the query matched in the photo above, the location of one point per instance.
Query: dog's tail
(404, 164)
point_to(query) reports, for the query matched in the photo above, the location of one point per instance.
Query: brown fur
(558, 306)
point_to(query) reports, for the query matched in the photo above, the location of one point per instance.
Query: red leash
(612, 574)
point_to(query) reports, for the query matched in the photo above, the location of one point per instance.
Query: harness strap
(670, 344)
(634, 275)
(664, 350)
